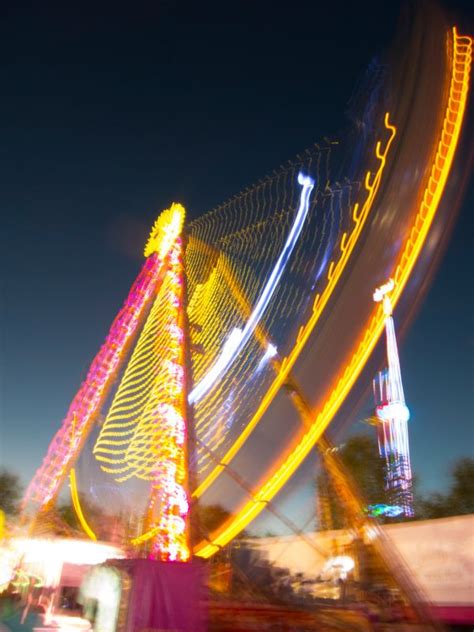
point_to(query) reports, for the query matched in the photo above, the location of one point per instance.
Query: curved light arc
(238, 338)
(335, 270)
(413, 245)
(77, 505)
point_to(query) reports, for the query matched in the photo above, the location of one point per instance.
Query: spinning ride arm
(70, 438)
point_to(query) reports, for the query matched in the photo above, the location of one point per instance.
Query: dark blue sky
(108, 115)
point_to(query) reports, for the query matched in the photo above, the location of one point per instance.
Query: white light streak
(238, 338)
(381, 294)
(269, 353)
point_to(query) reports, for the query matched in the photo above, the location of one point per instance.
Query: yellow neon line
(77, 505)
(348, 244)
(146, 536)
(439, 173)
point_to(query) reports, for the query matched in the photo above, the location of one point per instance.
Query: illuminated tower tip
(381, 294)
(165, 231)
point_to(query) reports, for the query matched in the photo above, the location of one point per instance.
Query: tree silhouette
(459, 499)
(10, 491)
(360, 456)
(205, 519)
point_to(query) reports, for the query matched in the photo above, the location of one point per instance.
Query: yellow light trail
(336, 269)
(77, 505)
(459, 85)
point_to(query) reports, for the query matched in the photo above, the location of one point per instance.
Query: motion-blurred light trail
(336, 269)
(239, 337)
(460, 66)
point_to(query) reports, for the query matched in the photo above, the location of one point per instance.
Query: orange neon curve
(336, 269)
(459, 85)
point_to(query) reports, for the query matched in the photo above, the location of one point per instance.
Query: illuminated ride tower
(392, 416)
(144, 434)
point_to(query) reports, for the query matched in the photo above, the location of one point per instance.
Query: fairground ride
(188, 383)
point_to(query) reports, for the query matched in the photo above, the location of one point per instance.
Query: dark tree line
(361, 458)
(10, 492)
(458, 500)
(359, 455)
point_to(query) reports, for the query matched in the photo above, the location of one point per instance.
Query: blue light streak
(391, 511)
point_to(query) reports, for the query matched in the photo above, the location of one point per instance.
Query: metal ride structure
(286, 257)
(155, 397)
(393, 415)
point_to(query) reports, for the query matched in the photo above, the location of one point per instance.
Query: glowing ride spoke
(144, 433)
(348, 243)
(432, 195)
(238, 338)
(67, 442)
(75, 428)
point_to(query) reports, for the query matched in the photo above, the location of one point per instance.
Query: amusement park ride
(237, 302)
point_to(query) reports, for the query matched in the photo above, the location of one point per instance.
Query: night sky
(109, 115)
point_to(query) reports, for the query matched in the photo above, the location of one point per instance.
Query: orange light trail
(348, 243)
(458, 90)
